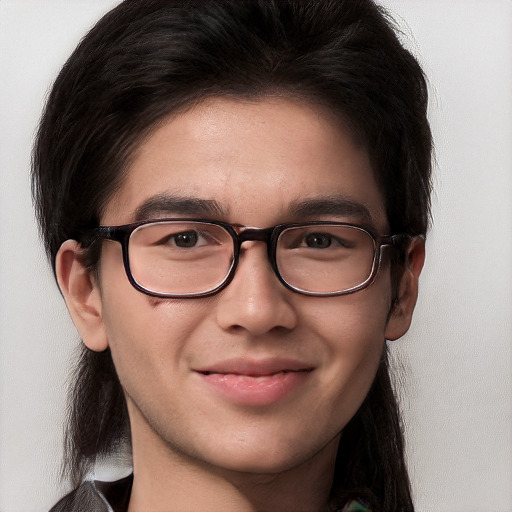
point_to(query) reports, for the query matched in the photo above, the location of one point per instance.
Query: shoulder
(82, 499)
(97, 497)
(358, 505)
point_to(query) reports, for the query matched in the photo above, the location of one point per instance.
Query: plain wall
(454, 364)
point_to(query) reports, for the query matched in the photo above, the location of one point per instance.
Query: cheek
(146, 329)
(353, 322)
(145, 334)
(352, 328)
(149, 342)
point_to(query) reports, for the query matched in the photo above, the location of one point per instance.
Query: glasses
(194, 258)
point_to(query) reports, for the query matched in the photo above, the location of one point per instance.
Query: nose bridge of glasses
(249, 234)
(255, 234)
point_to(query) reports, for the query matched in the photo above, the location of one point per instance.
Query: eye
(337, 239)
(180, 237)
(185, 240)
(318, 240)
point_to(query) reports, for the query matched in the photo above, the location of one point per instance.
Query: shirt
(95, 496)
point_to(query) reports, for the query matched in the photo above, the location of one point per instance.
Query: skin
(192, 447)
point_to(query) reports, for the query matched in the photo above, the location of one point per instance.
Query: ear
(82, 294)
(400, 316)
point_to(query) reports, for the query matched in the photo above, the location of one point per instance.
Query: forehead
(257, 162)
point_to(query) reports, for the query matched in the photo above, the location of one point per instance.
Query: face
(255, 378)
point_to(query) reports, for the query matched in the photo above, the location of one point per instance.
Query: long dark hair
(148, 59)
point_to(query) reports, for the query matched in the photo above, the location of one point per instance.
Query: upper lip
(255, 367)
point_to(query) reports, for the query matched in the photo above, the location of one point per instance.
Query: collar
(115, 496)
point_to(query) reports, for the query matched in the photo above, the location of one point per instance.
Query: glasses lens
(180, 258)
(325, 258)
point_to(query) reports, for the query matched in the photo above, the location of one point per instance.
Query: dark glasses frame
(239, 235)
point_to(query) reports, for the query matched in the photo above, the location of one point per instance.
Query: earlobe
(82, 295)
(400, 316)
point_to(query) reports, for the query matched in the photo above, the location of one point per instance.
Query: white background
(455, 363)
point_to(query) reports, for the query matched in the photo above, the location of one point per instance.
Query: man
(234, 196)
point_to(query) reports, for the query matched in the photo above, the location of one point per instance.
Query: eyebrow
(163, 205)
(168, 205)
(337, 206)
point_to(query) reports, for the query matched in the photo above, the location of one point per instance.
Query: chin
(267, 458)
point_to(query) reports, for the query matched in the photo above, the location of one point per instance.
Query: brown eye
(318, 240)
(186, 239)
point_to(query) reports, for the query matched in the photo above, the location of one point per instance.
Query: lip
(255, 382)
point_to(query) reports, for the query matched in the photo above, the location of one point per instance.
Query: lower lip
(255, 391)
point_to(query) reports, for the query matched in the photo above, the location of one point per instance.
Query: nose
(255, 300)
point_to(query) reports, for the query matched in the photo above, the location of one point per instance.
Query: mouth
(255, 383)
(255, 367)
(254, 375)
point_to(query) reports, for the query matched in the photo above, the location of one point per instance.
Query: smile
(255, 384)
